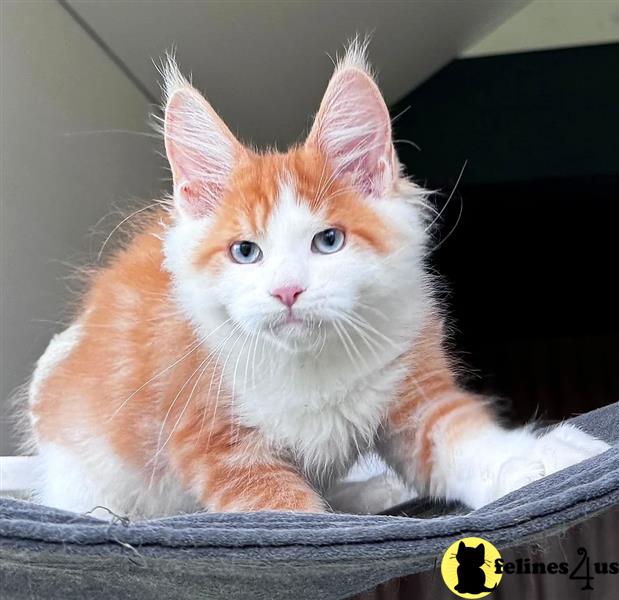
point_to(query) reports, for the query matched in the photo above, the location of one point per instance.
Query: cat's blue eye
(328, 241)
(245, 252)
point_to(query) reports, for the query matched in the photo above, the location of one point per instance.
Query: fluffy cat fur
(189, 380)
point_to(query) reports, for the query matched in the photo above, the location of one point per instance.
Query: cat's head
(322, 242)
(470, 556)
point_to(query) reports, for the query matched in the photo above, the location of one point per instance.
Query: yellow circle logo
(468, 568)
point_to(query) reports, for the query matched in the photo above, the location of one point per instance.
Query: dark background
(526, 243)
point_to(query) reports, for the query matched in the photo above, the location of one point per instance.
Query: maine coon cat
(268, 329)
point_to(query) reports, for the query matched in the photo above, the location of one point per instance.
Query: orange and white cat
(273, 326)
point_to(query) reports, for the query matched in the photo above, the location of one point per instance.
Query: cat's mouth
(292, 331)
(289, 319)
(295, 324)
(292, 319)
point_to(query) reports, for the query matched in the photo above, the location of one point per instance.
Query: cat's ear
(480, 548)
(200, 148)
(353, 127)
(461, 547)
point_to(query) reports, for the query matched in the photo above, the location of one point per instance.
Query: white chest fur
(323, 413)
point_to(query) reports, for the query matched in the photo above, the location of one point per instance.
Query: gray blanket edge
(333, 554)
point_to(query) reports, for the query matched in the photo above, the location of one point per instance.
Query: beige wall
(546, 24)
(56, 181)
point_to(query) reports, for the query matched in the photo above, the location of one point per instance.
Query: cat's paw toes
(559, 448)
(566, 445)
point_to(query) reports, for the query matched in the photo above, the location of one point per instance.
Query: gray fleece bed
(47, 553)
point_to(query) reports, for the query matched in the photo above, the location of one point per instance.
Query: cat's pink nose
(287, 295)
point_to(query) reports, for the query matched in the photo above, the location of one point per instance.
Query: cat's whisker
(155, 457)
(373, 309)
(123, 131)
(248, 336)
(451, 231)
(216, 371)
(407, 142)
(178, 420)
(365, 338)
(365, 325)
(193, 347)
(200, 366)
(259, 339)
(366, 332)
(189, 400)
(324, 341)
(123, 404)
(223, 371)
(254, 337)
(440, 213)
(133, 214)
(352, 343)
(346, 348)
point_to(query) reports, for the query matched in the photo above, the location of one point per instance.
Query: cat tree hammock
(47, 553)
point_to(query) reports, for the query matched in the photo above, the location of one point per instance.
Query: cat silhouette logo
(468, 568)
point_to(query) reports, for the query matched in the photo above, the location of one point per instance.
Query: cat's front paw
(561, 447)
(567, 445)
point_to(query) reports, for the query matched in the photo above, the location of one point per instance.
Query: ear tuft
(200, 148)
(356, 56)
(353, 126)
(172, 78)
